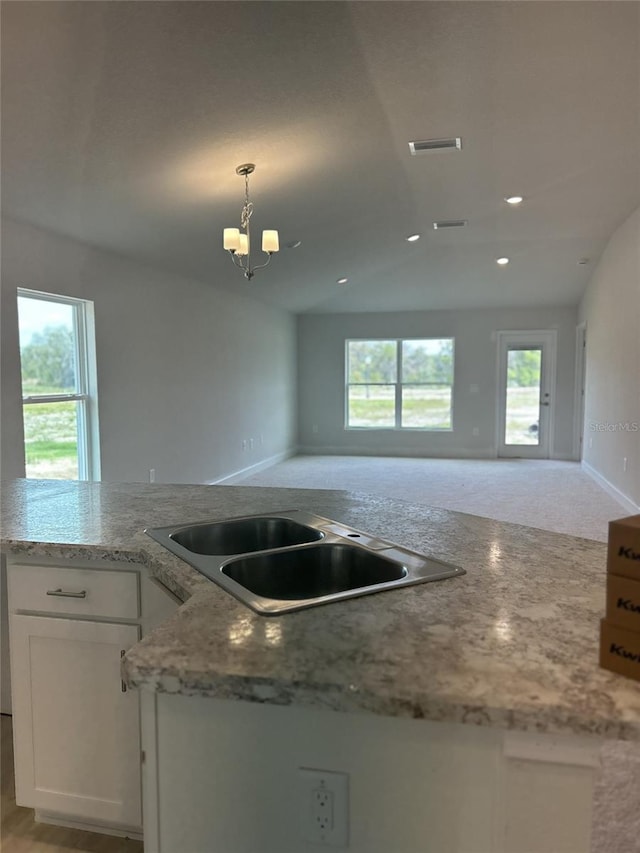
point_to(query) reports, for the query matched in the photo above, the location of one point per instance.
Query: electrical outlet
(624, 464)
(244, 443)
(250, 444)
(324, 807)
(590, 443)
(152, 475)
(476, 431)
(314, 429)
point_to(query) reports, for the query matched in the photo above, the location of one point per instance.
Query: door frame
(549, 339)
(580, 389)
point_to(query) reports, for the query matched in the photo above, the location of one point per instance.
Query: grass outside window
(51, 440)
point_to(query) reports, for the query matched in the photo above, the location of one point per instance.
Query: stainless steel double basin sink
(292, 560)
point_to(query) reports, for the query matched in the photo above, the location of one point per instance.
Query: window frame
(399, 385)
(86, 395)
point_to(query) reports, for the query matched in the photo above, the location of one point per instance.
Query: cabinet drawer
(86, 592)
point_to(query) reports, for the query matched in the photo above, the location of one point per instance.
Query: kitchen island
(501, 661)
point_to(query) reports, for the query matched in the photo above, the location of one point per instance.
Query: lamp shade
(270, 242)
(243, 248)
(231, 239)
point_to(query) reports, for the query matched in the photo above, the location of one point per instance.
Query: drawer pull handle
(61, 593)
(123, 686)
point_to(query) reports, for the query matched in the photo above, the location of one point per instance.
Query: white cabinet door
(76, 733)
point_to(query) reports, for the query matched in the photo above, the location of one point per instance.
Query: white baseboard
(253, 469)
(626, 502)
(71, 823)
(411, 453)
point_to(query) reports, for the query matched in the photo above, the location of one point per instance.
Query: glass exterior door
(525, 375)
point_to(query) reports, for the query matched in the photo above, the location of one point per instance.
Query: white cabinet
(76, 732)
(76, 727)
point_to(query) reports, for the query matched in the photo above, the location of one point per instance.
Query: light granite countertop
(513, 643)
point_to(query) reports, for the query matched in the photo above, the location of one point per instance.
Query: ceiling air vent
(455, 143)
(449, 223)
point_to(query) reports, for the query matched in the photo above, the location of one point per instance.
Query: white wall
(611, 311)
(321, 347)
(185, 371)
(11, 432)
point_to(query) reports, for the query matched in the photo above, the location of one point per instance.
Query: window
(399, 384)
(59, 399)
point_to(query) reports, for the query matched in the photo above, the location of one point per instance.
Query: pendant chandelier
(238, 243)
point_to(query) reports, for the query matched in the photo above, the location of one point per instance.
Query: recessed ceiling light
(412, 238)
(502, 261)
(514, 199)
(342, 280)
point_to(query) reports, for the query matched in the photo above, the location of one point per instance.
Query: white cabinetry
(76, 733)
(76, 726)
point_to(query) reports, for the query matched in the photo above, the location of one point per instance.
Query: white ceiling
(123, 123)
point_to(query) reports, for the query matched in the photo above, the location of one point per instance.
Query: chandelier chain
(247, 208)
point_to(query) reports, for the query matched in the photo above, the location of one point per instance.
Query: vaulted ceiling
(123, 123)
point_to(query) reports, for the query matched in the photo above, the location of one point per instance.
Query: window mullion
(398, 384)
(83, 440)
(81, 350)
(82, 384)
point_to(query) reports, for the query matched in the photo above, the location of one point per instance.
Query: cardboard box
(623, 602)
(620, 650)
(623, 552)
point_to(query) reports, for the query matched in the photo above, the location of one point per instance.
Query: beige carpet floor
(551, 495)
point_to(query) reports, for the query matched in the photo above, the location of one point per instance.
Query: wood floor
(21, 834)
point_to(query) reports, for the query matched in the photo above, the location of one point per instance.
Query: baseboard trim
(626, 502)
(411, 453)
(253, 469)
(104, 829)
